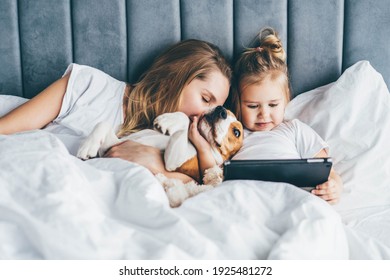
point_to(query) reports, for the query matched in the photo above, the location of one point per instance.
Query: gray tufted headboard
(39, 38)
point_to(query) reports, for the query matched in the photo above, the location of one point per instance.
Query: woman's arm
(205, 157)
(147, 156)
(152, 158)
(37, 112)
(330, 191)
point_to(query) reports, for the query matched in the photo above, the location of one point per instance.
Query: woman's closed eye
(273, 105)
(206, 99)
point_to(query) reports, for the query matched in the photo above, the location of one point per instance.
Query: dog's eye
(236, 132)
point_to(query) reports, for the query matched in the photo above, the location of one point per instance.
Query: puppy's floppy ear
(233, 142)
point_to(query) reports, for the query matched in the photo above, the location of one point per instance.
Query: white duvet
(55, 206)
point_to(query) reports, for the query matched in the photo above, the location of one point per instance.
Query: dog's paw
(89, 148)
(169, 123)
(97, 142)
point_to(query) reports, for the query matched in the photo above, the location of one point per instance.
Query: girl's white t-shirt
(91, 96)
(289, 140)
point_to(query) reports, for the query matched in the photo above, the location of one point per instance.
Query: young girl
(263, 91)
(190, 77)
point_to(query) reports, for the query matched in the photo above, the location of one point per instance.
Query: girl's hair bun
(269, 41)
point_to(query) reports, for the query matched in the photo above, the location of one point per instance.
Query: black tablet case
(299, 172)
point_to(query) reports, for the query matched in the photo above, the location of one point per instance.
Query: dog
(219, 127)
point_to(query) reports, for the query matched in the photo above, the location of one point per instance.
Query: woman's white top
(289, 140)
(91, 96)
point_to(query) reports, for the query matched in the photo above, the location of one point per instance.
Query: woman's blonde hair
(159, 88)
(266, 60)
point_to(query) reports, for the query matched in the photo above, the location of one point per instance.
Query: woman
(190, 77)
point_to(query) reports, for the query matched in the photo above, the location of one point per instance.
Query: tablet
(303, 173)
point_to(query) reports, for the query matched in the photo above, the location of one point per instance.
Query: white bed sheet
(353, 116)
(55, 206)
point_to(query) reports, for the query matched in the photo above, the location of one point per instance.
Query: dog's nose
(220, 112)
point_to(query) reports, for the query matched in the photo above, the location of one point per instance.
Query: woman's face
(200, 95)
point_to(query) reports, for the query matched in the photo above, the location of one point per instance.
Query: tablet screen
(304, 173)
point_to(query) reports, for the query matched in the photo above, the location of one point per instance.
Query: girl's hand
(147, 156)
(330, 191)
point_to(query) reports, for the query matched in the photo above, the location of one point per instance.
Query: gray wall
(322, 37)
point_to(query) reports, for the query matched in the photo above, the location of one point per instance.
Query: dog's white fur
(177, 192)
(173, 138)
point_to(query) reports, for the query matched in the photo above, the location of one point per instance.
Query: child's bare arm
(37, 112)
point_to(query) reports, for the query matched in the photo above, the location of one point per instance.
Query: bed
(55, 206)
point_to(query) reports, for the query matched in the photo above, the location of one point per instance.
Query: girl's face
(262, 105)
(200, 95)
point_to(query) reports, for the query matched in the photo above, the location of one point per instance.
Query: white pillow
(10, 102)
(353, 116)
